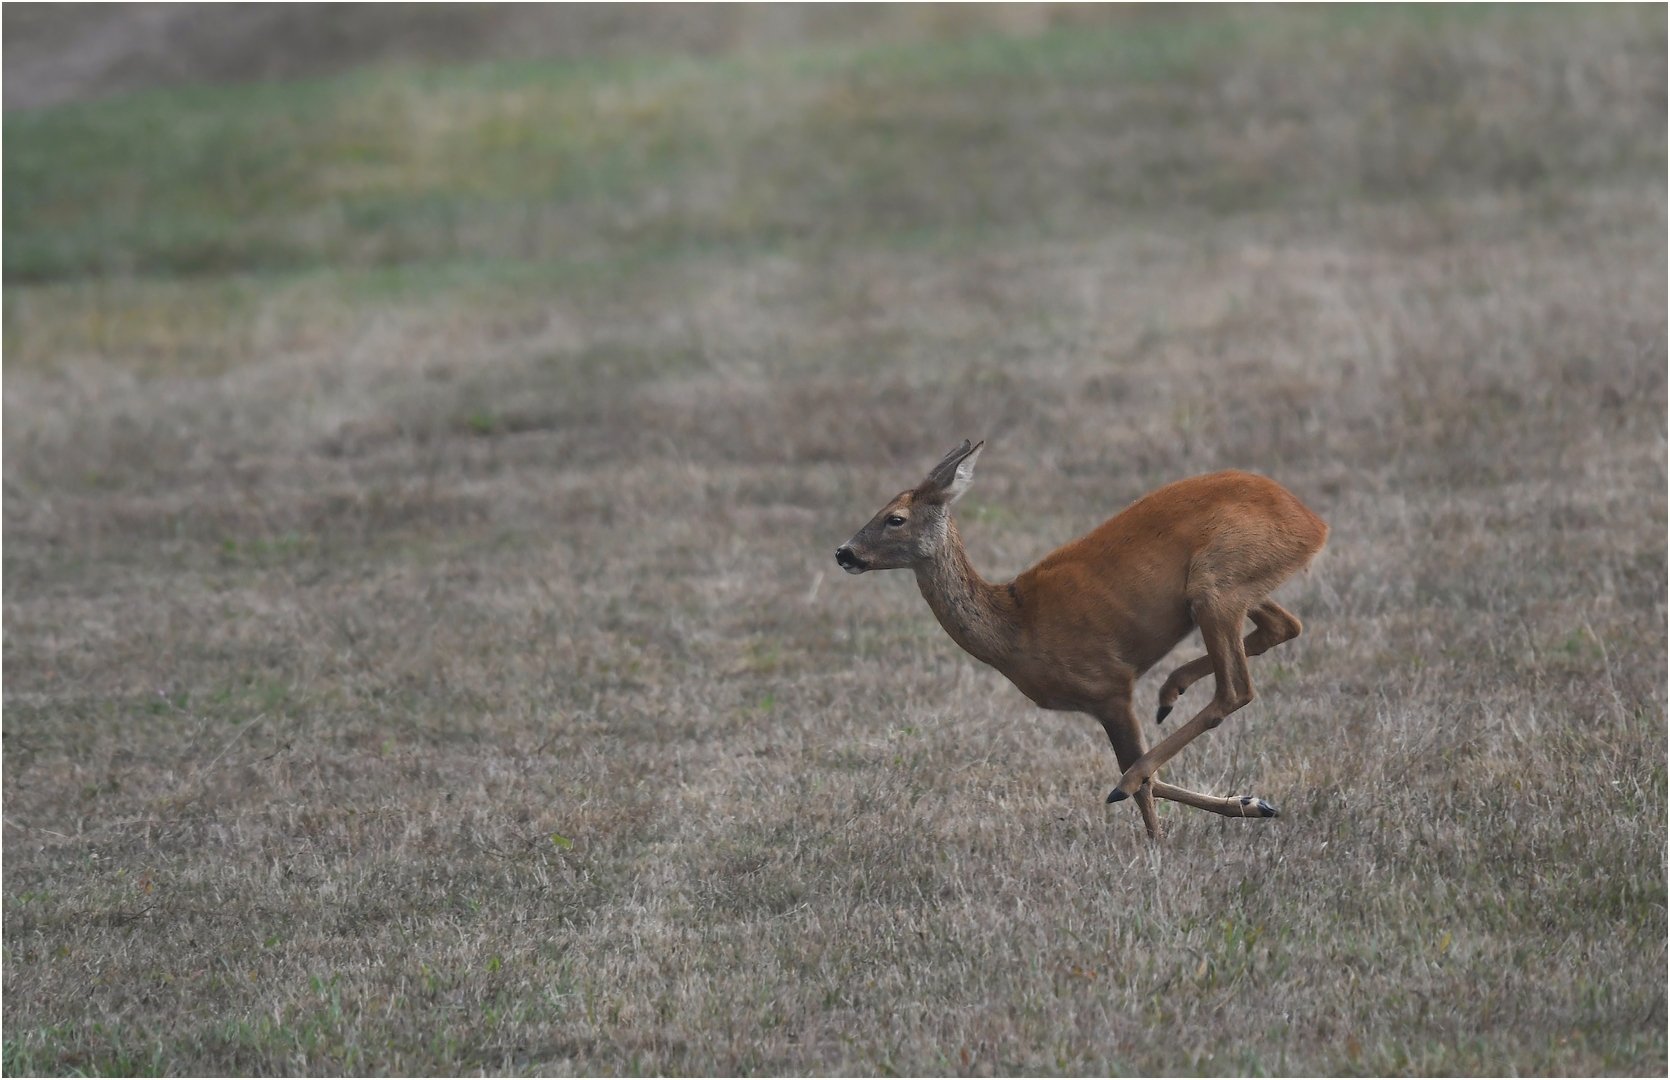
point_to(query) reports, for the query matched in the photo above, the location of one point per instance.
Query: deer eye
(895, 520)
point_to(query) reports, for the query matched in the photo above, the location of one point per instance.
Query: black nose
(847, 559)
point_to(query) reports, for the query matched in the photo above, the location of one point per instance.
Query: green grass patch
(537, 162)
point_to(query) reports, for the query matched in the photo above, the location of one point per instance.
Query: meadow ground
(424, 651)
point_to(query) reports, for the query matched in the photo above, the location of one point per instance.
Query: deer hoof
(1117, 796)
(1161, 713)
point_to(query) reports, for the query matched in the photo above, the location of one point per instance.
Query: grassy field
(424, 651)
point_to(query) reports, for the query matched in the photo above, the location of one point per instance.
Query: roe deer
(1076, 631)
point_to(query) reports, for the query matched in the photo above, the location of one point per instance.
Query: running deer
(1076, 631)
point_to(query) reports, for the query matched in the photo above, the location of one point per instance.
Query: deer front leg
(1119, 720)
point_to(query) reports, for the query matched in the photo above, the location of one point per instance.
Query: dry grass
(449, 672)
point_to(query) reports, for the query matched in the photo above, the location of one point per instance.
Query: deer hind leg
(1128, 746)
(1119, 720)
(1220, 628)
(1228, 806)
(1275, 625)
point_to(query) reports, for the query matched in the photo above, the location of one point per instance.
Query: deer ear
(952, 476)
(964, 475)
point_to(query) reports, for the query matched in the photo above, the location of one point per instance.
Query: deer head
(909, 530)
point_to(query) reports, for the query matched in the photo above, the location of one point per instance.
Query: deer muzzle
(851, 563)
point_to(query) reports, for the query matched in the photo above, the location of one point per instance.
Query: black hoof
(1264, 809)
(1161, 714)
(1117, 796)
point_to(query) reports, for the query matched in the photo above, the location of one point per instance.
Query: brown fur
(1077, 630)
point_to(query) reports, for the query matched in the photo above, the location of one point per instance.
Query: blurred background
(70, 52)
(427, 429)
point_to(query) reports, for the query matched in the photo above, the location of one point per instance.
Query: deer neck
(979, 616)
